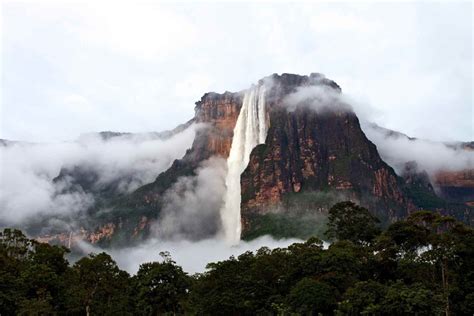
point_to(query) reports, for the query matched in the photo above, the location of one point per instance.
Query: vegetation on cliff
(423, 265)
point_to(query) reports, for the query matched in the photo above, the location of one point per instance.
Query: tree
(310, 297)
(433, 250)
(15, 248)
(14, 244)
(227, 288)
(447, 237)
(99, 287)
(423, 265)
(31, 275)
(348, 221)
(407, 237)
(416, 299)
(161, 287)
(364, 298)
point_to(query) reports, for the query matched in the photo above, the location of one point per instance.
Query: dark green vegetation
(424, 196)
(423, 265)
(282, 225)
(301, 215)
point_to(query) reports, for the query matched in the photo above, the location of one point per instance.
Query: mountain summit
(268, 160)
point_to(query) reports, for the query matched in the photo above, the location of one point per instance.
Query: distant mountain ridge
(108, 135)
(453, 187)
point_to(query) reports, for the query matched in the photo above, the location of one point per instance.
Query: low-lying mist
(192, 256)
(191, 206)
(28, 170)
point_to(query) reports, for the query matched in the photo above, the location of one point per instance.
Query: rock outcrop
(217, 115)
(314, 150)
(456, 185)
(315, 154)
(219, 112)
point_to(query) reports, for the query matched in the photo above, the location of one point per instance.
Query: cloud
(100, 65)
(191, 206)
(397, 149)
(147, 62)
(192, 256)
(151, 32)
(27, 189)
(319, 98)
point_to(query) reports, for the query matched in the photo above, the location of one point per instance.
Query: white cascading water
(250, 130)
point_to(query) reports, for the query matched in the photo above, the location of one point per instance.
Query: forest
(421, 265)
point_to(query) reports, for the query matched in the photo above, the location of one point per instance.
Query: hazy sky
(70, 67)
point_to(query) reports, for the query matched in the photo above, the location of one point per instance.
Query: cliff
(140, 210)
(218, 114)
(311, 151)
(315, 155)
(306, 153)
(456, 185)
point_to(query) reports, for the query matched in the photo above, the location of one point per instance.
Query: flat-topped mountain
(301, 149)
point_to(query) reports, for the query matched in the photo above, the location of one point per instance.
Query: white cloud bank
(430, 156)
(192, 256)
(192, 204)
(27, 171)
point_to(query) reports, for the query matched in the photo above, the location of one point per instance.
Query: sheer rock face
(134, 215)
(308, 150)
(305, 151)
(457, 186)
(219, 112)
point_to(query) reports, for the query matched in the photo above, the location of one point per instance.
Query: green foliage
(311, 297)
(31, 275)
(280, 225)
(425, 198)
(423, 265)
(98, 286)
(304, 201)
(161, 287)
(300, 221)
(364, 298)
(415, 299)
(348, 221)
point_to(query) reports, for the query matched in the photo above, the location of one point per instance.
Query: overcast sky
(75, 67)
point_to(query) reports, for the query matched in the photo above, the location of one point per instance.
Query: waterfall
(250, 130)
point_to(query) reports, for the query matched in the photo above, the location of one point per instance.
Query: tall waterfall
(250, 130)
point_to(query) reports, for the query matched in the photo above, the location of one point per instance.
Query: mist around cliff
(192, 205)
(396, 149)
(319, 98)
(190, 229)
(430, 156)
(189, 225)
(28, 189)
